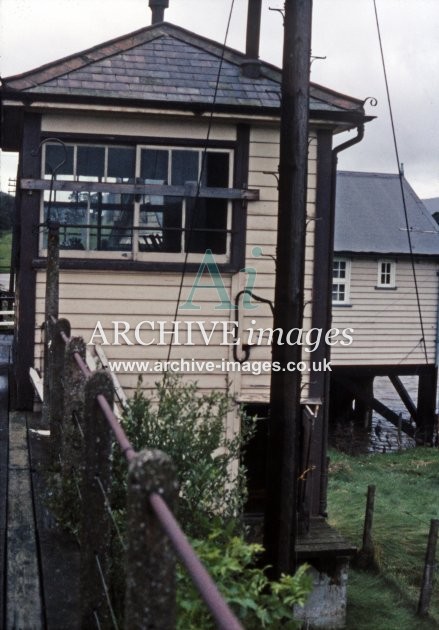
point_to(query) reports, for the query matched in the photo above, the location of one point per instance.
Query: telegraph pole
(280, 528)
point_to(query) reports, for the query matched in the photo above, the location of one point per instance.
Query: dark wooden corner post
(284, 426)
(321, 320)
(30, 167)
(95, 530)
(150, 564)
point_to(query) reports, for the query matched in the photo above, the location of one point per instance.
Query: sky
(34, 32)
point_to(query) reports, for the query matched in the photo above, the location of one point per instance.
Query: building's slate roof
(431, 204)
(169, 64)
(369, 216)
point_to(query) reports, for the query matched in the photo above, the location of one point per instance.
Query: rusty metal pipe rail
(207, 588)
(219, 609)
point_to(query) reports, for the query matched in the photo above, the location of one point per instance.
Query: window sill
(103, 264)
(379, 288)
(341, 305)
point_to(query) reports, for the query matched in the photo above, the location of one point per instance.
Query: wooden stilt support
(427, 406)
(404, 395)
(378, 406)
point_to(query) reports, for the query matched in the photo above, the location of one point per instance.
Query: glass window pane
(160, 226)
(121, 162)
(154, 164)
(216, 170)
(114, 229)
(184, 167)
(206, 225)
(91, 161)
(55, 155)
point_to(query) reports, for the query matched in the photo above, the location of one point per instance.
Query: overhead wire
(401, 181)
(200, 177)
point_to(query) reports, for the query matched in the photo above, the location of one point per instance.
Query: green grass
(5, 251)
(407, 497)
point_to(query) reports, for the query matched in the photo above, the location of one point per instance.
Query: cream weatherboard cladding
(386, 322)
(87, 296)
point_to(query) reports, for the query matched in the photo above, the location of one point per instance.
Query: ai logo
(208, 267)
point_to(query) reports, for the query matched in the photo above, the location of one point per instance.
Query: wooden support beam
(404, 395)
(376, 405)
(189, 190)
(427, 406)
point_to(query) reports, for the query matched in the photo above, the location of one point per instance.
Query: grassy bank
(407, 497)
(5, 251)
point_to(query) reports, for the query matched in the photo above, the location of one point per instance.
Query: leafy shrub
(190, 428)
(257, 602)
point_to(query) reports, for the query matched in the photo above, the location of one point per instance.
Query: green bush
(190, 428)
(257, 602)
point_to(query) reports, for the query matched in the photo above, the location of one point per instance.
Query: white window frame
(182, 256)
(134, 254)
(344, 281)
(386, 278)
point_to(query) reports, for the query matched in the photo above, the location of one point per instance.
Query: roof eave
(26, 99)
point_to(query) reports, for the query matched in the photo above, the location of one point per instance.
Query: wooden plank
(322, 540)
(90, 360)
(142, 189)
(120, 394)
(37, 382)
(23, 593)
(59, 550)
(3, 481)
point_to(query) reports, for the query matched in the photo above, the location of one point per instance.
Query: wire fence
(84, 430)
(402, 546)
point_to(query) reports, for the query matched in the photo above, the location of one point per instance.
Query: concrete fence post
(150, 560)
(73, 381)
(56, 397)
(47, 372)
(95, 527)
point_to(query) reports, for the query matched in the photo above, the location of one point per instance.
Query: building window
(141, 227)
(386, 274)
(341, 272)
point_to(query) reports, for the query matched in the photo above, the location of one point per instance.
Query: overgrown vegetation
(406, 499)
(5, 251)
(7, 208)
(190, 427)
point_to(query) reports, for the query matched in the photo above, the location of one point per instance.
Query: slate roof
(168, 64)
(369, 216)
(431, 204)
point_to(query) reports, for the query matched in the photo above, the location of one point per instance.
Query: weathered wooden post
(150, 560)
(95, 529)
(56, 412)
(366, 557)
(429, 569)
